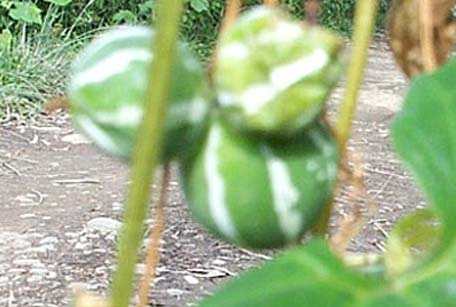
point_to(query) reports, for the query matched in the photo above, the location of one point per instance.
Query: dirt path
(61, 203)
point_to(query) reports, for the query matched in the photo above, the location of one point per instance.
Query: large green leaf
(412, 239)
(425, 137)
(306, 276)
(313, 276)
(26, 12)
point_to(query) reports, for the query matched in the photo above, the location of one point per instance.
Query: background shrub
(202, 17)
(200, 21)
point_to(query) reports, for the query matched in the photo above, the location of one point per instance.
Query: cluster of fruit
(258, 165)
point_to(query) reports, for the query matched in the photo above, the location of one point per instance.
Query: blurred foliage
(199, 25)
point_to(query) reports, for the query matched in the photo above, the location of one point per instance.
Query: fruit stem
(147, 150)
(364, 22)
(231, 14)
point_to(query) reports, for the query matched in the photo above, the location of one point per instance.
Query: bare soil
(61, 204)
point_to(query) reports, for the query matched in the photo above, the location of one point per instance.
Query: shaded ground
(61, 203)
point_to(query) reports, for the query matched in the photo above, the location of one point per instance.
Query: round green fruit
(257, 194)
(108, 92)
(273, 74)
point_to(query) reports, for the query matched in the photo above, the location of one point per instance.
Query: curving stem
(146, 155)
(366, 11)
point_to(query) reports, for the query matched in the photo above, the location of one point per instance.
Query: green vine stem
(364, 22)
(147, 151)
(366, 11)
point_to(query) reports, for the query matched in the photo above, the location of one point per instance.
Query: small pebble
(76, 139)
(116, 206)
(191, 280)
(27, 262)
(49, 240)
(104, 225)
(27, 216)
(174, 292)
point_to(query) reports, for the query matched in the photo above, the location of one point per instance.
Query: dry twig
(77, 181)
(312, 8)
(153, 254)
(427, 35)
(11, 168)
(40, 196)
(271, 2)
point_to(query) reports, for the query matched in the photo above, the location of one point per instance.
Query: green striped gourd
(257, 194)
(273, 74)
(108, 90)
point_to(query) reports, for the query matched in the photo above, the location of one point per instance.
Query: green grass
(33, 70)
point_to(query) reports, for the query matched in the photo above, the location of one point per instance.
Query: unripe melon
(108, 88)
(272, 73)
(260, 194)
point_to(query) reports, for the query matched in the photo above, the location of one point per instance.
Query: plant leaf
(26, 12)
(312, 276)
(440, 290)
(124, 16)
(424, 135)
(412, 238)
(6, 39)
(306, 274)
(199, 5)
(147, 7)
(59, 2)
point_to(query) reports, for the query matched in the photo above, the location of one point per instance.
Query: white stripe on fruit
(115, 35)
(285, 195)
(93, 131)
(286, 75)
(234, 51)
(111, 66)
(281, 78)
(129, 116)
(216, 186)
